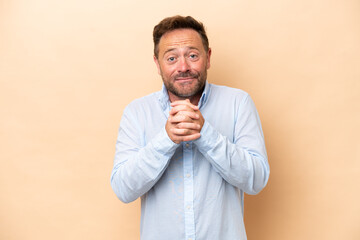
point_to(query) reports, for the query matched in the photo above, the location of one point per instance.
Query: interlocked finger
(186, 103)
(183, 108)
(183, 117)
(182, 131)
(188, 125)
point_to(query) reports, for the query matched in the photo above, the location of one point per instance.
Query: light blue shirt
(193, 190)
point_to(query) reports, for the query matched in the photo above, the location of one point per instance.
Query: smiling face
(182, 63)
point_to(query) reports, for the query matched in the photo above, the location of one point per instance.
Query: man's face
(183, 62)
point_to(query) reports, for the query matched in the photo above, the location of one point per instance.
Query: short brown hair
(178, 22)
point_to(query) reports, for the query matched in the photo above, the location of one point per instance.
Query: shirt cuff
(208, 137)
(163, 144)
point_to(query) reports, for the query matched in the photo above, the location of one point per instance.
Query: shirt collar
(204, 95)
(163, 96)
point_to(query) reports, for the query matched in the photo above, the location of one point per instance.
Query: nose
(183, 65)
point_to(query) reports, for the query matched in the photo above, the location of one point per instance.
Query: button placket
(188, 191)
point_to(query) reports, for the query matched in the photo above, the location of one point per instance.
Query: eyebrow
(169, 50)
(172, 49)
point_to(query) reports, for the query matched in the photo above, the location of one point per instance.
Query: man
(191, 150)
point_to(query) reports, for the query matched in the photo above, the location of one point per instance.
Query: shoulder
(145, 103)
(225, 92)
(233, 99)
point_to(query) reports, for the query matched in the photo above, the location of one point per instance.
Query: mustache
(186, 75)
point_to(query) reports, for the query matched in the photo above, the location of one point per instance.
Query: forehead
(180, 38)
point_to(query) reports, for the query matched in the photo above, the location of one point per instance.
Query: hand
(185, 121)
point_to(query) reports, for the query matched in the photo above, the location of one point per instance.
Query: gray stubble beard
(199, 87)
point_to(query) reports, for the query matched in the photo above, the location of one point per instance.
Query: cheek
(168, 70)
(199, 67)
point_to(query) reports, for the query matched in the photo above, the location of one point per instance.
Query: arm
(243, 161)
(137, 168)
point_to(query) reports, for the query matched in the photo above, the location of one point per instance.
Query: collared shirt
(193, 190)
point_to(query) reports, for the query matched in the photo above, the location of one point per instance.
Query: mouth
(184, 80)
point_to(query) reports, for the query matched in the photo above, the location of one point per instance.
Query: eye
(171, 59)
(193, 56)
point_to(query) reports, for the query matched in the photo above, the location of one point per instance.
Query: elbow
(125, 199)
(122, 195)
(256, 189)
(260, 183)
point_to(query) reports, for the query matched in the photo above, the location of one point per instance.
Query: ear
(208, 58)
(157, 65)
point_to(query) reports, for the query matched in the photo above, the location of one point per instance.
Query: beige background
(68, 68)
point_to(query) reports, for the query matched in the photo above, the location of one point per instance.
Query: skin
(182, 63)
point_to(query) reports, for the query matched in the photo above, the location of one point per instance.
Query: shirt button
(188, 207)
(188, 175)
(187, 145)
(189, 238)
